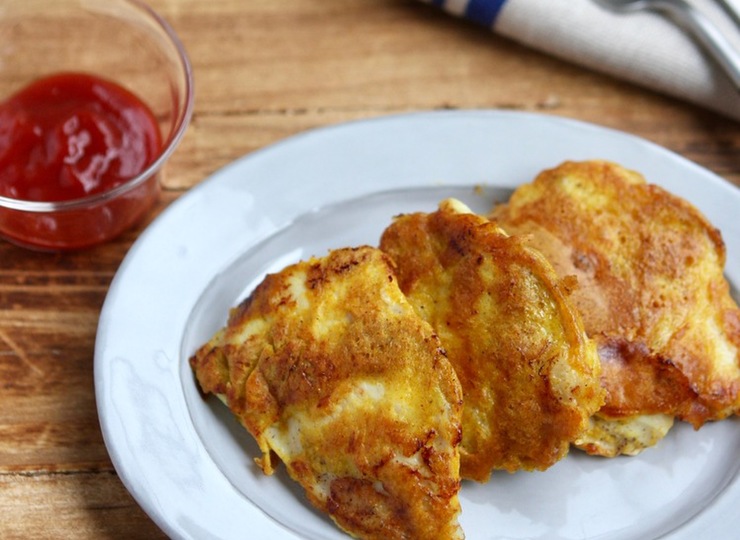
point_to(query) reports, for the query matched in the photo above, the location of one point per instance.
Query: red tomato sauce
(67, 137)
(70, 135)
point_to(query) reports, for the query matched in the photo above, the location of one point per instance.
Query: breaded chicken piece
(329, 368)
(650, 289)
(628, 435)
(530, 377)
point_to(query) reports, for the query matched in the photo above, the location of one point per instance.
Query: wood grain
(74, 504)
(264, 71)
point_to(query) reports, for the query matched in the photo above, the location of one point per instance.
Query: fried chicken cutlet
(530, 376)
(651, 292)
(327, 365)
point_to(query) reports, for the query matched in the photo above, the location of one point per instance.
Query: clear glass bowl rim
(178, 131)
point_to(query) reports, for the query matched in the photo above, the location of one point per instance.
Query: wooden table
(265, 70)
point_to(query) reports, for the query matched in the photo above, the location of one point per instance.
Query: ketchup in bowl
(69, 137)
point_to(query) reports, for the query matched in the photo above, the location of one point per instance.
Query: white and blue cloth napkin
(645, 48)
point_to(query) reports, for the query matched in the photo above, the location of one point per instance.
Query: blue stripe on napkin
(483, 11)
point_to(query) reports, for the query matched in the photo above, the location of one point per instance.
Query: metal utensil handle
(707, 34)
(731, 10)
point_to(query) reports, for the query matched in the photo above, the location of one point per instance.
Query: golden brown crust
(329, 368)
(528, 372)
(649, 267)
(639, 382)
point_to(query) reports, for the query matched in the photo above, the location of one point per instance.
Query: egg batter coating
(530, 376)
(327, 365)
(651, 291)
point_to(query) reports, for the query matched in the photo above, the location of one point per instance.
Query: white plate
(189, 464)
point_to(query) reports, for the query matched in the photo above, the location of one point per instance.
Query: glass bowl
(125, 42)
